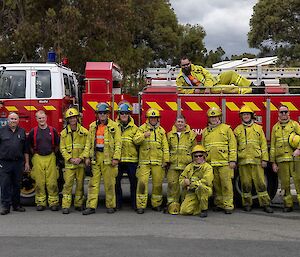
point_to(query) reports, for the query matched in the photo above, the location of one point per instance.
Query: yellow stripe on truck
(252, 105)
(290, 106)
(11, 108)
(49, 108)
(272, 106)
(154, 105)
(30, 108)
(194, 106)
(232, 106)
(172, 105)
(212, 104)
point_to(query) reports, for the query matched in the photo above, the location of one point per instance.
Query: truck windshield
(12, 84)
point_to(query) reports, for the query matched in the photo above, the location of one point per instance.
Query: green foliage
(275, 28)
(242, 56)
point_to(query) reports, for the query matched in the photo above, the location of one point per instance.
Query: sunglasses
(283, 112)
(198, 155)
(124, 113)
(185, 65)
(102, 112)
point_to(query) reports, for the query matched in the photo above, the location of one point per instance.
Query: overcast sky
(226, 22)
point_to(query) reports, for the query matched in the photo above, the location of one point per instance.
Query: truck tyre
(271, 181)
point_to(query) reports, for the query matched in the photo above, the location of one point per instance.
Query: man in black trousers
(14, 159)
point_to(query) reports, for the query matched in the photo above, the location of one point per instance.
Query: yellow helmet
(174, 208)
(198, 148)
(152, 113)
(294, 140)
(71, 112)
(214, 112)
(246, 109)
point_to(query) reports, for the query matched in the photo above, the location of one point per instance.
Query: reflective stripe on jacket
(129, 151)
(153, 149)
(281, 151)
(181, 147)
(220, 144)
(112, 142)
(251, 144)
(72, 144)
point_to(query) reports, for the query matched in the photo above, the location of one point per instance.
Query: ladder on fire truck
(271, 76)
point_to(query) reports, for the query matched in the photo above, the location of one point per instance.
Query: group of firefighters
(110, 148)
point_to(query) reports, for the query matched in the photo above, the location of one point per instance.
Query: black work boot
(228, 211)
(4, 211)
(40, 208)
(203, 214)
(54, 208)
(140, 211)
(65, 211)
(268, 209)
(19, 209)
(247, 208)
(88, 211)
(217, 209)
(110, 210)
(158, 208)
(287, 209)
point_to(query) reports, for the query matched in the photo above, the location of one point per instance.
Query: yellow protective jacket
(220, 144)
(251, 144)
(198, 174)
(112, 142)
(200, 73)
(72, 144)
(129, 151)
(281, 151)
(181, 147)
(154, 149)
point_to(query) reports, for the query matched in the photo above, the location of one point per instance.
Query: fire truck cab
(26, 88)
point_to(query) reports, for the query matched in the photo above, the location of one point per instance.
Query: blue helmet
(102, 107)
(124, 107)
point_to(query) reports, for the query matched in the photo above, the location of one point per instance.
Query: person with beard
(153, 158)
(252, 159)
(220, 143)
(285, 160)
(196, 181)
(194, 79)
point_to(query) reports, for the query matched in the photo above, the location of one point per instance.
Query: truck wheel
(27, 190)
(271, 181)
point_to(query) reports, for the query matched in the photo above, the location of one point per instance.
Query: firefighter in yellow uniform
(285, 159)
(103, 148)
(181, 140)
(129, 154)
(153, 157)
(196, 181)
(228, 82)
(220, 144)
(72, 144)
(252, 159)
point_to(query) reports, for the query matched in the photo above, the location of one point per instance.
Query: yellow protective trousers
(285, 171)
(173, 191)
(70, 176)
(195, 202)
(143, 173)
(255, 173)
(109, 174)
(230, 82)
(45, 174)
(223, 187)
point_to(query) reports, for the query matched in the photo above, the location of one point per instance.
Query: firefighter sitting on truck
(72, 143)
(181, 140)
(153, 158)
(103, 151)
(284, 154)
(198, 78)
(196, 181)
(252, 159)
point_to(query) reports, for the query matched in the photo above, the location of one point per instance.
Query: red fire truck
(26, 88)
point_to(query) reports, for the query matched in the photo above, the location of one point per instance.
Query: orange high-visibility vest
(100, 136)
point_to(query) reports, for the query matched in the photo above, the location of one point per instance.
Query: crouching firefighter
(72, 144)
(196, 181)
(103, 151)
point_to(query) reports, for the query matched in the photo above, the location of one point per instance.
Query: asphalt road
(125, 233)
